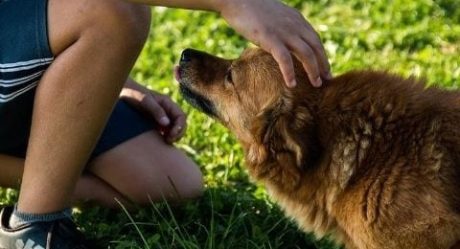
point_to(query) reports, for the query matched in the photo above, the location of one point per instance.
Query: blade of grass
(133, 222)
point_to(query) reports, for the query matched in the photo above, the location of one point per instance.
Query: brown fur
(370, 158)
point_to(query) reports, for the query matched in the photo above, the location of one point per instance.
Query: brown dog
(370, 158)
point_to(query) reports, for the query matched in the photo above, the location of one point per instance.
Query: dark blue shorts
(24, 56)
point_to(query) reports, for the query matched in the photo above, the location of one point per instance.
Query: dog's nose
(188, 54)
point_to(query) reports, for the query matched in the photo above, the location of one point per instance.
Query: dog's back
(395, 151)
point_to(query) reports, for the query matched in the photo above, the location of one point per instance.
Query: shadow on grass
(224, 218)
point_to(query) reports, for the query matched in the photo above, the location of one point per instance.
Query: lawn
(409, 37)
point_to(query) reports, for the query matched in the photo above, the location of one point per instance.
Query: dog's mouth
(194, 98)
(177, 73)
(198, 101)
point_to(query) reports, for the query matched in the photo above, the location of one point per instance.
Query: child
(63, 129)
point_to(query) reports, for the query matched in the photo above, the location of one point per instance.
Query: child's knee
(120, 22)
(129, 22)
(103, 22)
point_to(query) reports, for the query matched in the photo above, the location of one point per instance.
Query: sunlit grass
(409, 37)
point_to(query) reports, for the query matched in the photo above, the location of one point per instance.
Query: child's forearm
(212, 5)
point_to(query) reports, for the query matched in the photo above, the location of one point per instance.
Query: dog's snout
(189, 54)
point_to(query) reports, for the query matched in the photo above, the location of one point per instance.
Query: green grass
(409, 37)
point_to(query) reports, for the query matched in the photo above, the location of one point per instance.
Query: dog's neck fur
(286, 156)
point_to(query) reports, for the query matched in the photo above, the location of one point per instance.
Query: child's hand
(170, 118)
(280, 30)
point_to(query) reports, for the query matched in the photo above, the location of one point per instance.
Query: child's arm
(273, 26)
(211, 5)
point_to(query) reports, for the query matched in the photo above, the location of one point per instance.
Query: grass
(409, 37)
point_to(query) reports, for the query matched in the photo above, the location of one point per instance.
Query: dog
(371, 158)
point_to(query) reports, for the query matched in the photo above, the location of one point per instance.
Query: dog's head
(248, 95)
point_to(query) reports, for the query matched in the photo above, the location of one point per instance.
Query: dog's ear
(284, 135)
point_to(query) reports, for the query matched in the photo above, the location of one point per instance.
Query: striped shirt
(24, 56)
(20, 77)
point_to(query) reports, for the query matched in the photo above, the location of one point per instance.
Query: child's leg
(96, 44)
(132, 162)
(146, 169)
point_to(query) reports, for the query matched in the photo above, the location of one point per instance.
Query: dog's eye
(228, 76)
